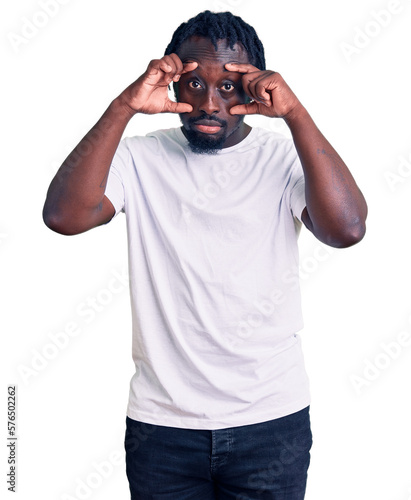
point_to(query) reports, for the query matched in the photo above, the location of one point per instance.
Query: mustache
(195, 119)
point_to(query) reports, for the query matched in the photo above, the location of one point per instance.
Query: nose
(210, 103)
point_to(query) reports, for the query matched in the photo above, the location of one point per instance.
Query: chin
(203, 144)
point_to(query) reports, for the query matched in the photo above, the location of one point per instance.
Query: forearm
(336, 207)
(79, 185)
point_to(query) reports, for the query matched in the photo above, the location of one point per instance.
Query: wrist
(120, 107)
(296, 115)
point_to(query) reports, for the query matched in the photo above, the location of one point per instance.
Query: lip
(207, 126)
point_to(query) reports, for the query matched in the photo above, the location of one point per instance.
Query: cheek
(230, 103)
(240, 97)
(233, 121)
(180, 92)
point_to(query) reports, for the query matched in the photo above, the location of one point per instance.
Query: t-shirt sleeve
(297, 190)
(115, 184)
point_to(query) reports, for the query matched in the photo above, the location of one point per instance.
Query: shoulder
(275, 148)
(154, 142)
(266, 137)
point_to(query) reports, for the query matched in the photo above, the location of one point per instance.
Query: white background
(57, 83)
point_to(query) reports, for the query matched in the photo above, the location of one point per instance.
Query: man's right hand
(149, 94)
(76, 200)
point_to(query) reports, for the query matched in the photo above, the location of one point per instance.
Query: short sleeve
(115, 190)
(297, 191)
(115, 186)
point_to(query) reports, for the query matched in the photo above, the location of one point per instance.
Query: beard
(203, 143)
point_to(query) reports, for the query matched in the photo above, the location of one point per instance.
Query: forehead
(201, 50)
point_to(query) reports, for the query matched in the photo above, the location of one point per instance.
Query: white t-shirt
(213, 261)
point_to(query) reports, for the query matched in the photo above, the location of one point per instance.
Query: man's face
(212, 91)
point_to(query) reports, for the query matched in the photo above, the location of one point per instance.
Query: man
(219, 403)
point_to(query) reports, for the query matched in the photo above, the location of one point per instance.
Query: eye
(194, 85)
(228, 87)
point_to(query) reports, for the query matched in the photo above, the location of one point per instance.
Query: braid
(220, 26)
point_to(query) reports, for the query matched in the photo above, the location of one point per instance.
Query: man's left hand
(270, 95)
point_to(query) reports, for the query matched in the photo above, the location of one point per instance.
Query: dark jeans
(260, 461)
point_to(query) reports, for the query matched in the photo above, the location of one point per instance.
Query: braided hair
(220, 26)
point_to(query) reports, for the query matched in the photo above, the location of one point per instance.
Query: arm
(336, 209)
(75, 200)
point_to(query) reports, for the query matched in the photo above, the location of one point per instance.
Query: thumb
(245, 109)
(178, 107)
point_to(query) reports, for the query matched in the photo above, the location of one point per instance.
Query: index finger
(179, 67)
(241, 67)
(189, 66)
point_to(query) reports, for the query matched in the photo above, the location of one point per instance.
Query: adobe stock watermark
(400, 174)
(266, 480)
(92, 139)
(378, 21)
(279, 126)
(224, 5)
(87, 310)
(32, 25)
(85, 147)
(100, 472)
(373, 368)
(262, 308)
(221, 179)
(265, 307)
(3, 238)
